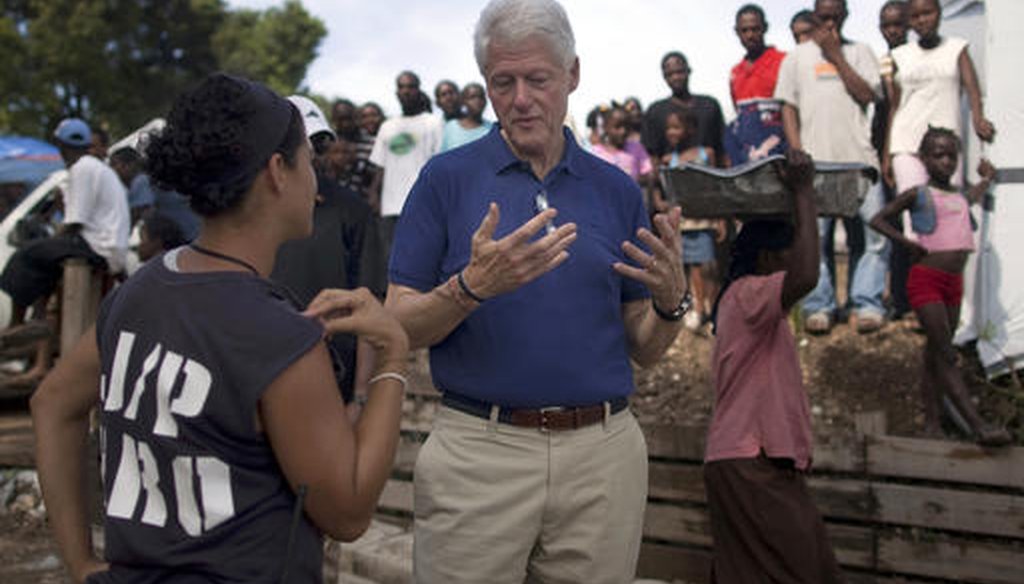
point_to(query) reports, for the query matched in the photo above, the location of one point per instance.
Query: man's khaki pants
(502, 504)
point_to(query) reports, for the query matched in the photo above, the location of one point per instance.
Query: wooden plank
(686, 525)
(854, 546)
(873, 423)
(675, 442)
(857, 500)
(686, 443)
(405, 456)
(966, 511)
(15, 423)
(17, 453)
(946, 461)
(17, 442)
(956, 559)
(397, 496)
(838, 456)
(675, 482)
(416, 427)
(848, 499)
(670, 563)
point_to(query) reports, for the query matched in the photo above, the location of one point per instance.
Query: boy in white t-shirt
(403, 145)
(96, 228)
(826, 86)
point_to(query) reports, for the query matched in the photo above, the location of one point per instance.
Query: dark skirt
(765, 525)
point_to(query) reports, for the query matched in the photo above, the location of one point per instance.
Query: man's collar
(502, 158)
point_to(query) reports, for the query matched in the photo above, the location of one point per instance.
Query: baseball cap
(73, 132)
(311, 116)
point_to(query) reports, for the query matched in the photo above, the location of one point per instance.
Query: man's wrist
(456, 290)
(461, 279)
(677, 311)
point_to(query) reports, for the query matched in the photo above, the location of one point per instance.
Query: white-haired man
(535, 470)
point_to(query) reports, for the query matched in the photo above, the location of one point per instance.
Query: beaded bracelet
(390, 375)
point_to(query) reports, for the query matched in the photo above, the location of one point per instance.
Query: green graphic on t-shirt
(402, 143)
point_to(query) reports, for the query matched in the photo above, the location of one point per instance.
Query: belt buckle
(544, 417)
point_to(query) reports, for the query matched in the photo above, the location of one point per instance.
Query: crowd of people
(536, 265)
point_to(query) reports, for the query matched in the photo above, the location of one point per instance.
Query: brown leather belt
(545, 419)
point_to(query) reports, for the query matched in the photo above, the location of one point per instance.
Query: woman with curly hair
(225, 449)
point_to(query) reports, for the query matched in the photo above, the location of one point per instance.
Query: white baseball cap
(311, 116)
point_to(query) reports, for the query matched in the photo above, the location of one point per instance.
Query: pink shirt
(952, 223)
(632, 160)
(760, 401)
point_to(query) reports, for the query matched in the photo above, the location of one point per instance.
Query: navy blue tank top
(192, 490)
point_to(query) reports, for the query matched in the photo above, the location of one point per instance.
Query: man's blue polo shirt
(559, 340)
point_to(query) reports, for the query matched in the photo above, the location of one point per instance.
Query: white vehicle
(41, 199)
(38, 201)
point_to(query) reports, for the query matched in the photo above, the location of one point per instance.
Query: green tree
(119, 63)
(274, 47)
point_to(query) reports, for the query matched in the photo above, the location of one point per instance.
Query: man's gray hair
(511, 22)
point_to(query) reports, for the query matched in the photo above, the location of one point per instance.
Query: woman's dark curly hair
(203, 154)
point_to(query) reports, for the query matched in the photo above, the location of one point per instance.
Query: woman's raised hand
(357, 312)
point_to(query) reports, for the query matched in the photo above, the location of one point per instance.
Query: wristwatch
(678, 312)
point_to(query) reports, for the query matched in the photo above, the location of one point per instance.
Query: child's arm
(658, 202)
(712, 156)
(791, 125)
(987, 172)
(880, 223)
(969, 79)
(894, 94)
(802, 265)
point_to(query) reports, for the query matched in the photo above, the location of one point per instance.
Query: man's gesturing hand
(499, 266)
(662, 269)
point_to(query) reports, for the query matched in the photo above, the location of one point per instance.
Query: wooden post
(79, 302)
(870, 423)
(867, 425)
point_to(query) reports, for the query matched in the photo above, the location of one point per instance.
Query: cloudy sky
(620, 44)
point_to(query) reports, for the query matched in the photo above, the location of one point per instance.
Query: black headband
(266, 118)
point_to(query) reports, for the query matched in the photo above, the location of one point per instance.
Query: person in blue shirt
(471, 125)
(529, 268)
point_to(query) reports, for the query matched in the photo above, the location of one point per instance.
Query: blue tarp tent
(27, 160)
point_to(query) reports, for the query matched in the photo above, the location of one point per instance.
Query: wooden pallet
(897, 509)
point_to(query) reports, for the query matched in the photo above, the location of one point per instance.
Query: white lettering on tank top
(169, 369)
(155, 512)
(140, 384)
(113, 400)
(125, 493)
(200, 485)
(215, 484)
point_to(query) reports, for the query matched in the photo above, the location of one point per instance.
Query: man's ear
(574, 75)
